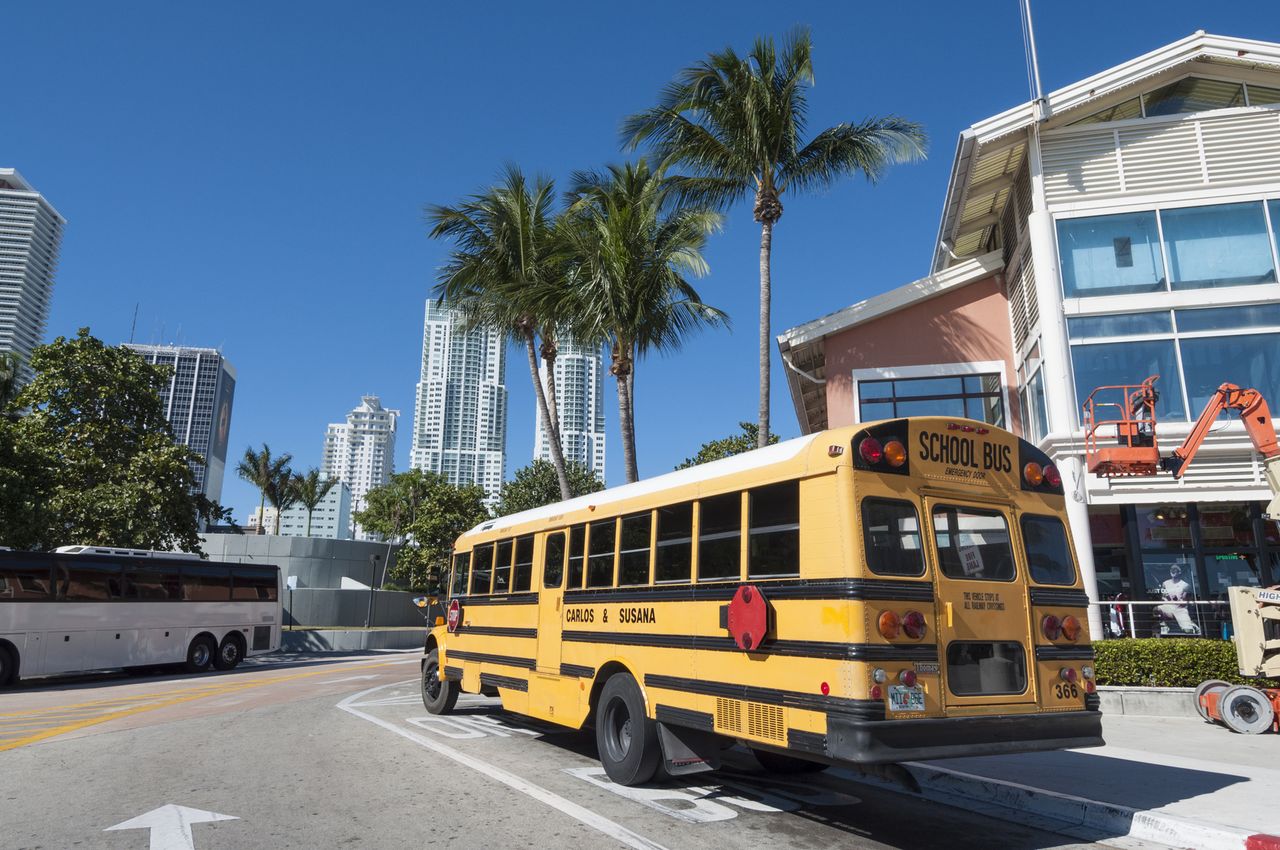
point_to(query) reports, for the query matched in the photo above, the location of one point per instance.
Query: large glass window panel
(1130, 363)
(1273, 208)
(461, 566)
(1220, 245)
(633, 567)
(928, 387)
(502, 566)
(1229, 318)
(1110, 255)
(1193, 94)
(1263, 96)
(1225, 525)
(773, 545)
(675, 543)
(522, 574)
(577, 536)
(872, 411)
(1037, 413)
(600, 554)
(1163, 526)
(1250, 361)
(720, 537)
(973, 543)
(481, 569)
(1131, 108)
(23, 582)
(932, 407)
(1122, 324)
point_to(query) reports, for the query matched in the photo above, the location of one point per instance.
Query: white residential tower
(579, 373)
(361, 451)
(30, 235)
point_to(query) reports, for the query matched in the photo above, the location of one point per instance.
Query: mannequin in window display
(1175, 591)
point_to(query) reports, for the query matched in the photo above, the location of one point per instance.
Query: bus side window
(152, 582)
(206, 583)
(774, 523)
(600, 553)
(633, 566)
(891, 537)
(90, 581)
(674, 557)
(254, 584)
(720, 537)
(577, 537)
(481, 569)
(502, 567)
(24, 582)
(553, 560)
(522, 579)
(461, 567)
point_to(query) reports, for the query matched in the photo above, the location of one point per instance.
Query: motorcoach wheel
(229, 653)
(438, 696)
(7, 668)
(200, 655)
(1204, 688)
(1245, 710)
(778, 763)
(626, 738)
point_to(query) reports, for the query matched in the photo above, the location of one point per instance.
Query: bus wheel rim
(230, 653)
(431, 681)
(619, 729)
(201, 654)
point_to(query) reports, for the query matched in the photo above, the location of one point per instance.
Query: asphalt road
(340, 753)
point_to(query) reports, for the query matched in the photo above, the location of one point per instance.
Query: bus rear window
(1048, 555)
(973, 543)
(891, 536)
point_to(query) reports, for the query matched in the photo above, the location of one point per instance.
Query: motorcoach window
(973, 543)
(151, 582)
(633, 567)
(254, 584)
(774, 523)
(577, 536)
(553, 562)
(891, 537)
(502, 566)
(673, 559)
(522, 578)
(481, 569)
(86, 581)
(461, 566)
(600, 554)
(206, 584)
(1048, 555)
(22, 583)
(720, 537)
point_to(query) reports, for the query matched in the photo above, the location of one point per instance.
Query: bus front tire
(8, 667)
(778, 763)
(230, 653)
(626, 738)
(438, 695)
(200, 654)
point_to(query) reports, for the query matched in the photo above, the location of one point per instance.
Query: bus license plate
(906, 699)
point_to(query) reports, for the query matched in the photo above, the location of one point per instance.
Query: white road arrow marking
(348, 679)
(170, 825)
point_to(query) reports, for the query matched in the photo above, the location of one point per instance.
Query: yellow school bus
(874, 594)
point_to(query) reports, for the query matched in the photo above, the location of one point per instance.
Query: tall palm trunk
(262, 515)
(308, 522)
(766, 248)
(623, 364)
(549, 353)
(553, 434)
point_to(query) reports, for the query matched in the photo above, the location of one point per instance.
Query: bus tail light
(889, 624)
(1052, 477)
(895, 453)
(1068, 674)
(1051, 626)
(1090, 687)
(878, 676)
(877, 692)
(1033, 474)
(1087, 672)
(871, 450)
(1071, 628)
(908, 678)
(914, 625)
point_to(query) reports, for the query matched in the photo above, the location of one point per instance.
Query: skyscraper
(197, 402)
(579, 373)
(361, 452)
(460, 418)
(30, 235)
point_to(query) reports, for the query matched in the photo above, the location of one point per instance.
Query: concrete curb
(350, 640)
(1148, 702)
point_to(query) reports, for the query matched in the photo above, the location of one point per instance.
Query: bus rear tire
(438, 696)
(230, 652)
(626, 738)
(778, 763)
(8, 666)
(200, 654)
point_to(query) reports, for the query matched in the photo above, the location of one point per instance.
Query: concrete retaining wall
(313, 561)
(350, 640)
(1148, 702)
(321, 607)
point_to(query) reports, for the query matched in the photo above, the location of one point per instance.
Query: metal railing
(1135, 618)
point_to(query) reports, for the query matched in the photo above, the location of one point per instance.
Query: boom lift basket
(1126, 443)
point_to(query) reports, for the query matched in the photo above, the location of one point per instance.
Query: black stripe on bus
(863, 709)
(1064, 653)
(1066, 598)
(453, 674)
(577, 671)
(486, 658)
(808, 589)
(798, 648)
(499, 599)
(807, 742)
(685, 717)
(491, 680)
(497, 631)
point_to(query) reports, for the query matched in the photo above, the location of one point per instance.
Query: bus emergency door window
(577, 539)
(891, 537)
(720, 537)
(774, 523)
(502, 566)
(973, 543)
(674, 558)
(1048, 555)
(553, 561)
(481, 569)
(522, 578)
(634, 556)
(600, 554)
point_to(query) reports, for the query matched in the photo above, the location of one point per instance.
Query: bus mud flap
(895, 773)
(686, 750)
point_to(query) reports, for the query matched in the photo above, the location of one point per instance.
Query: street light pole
(373, 577)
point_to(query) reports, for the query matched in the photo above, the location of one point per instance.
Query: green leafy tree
(505, 273)
(265, 472)
(428, 514)
(10, 381)
(104, 467)
(310, 489)
(633, 247)
(728, 446)
(737, 123)
(535, 485)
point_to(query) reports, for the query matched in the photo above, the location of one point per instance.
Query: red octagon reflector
(455, 615)
(748, 617)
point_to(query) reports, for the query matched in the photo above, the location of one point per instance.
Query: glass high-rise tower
(579, 373)
(30, 236)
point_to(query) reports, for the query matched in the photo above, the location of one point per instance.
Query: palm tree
(632, 247)
(281, 493)
(504, 263)
(737, 124)
(10, 377)
(264, 472)
(310, 490)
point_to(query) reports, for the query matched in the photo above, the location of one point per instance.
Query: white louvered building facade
(460, 413)
(30, 237)
(579, 374)
(361, 453)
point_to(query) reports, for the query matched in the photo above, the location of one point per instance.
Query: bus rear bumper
(886, 741)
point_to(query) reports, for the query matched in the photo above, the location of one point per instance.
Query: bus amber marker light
(895, 453)
(1033, 474)
(889, 625)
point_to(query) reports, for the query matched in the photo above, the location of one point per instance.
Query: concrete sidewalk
(1174, 781)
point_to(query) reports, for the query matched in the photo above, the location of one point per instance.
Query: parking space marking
(598, 822)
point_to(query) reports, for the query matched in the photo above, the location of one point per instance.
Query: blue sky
(253, 174)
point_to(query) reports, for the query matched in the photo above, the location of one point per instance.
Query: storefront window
(1164, 527)
(1225, 525)
(1234, 569)
(979, 397)
(1249, 361)
(1172, 580)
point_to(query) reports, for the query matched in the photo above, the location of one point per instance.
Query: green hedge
(1168, 662)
